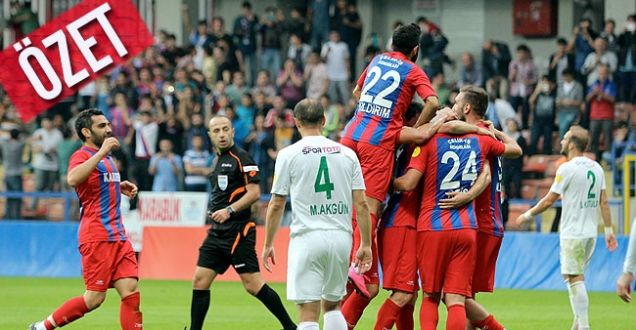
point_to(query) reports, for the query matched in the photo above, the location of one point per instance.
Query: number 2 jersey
(387, 88)
(319, 175)
(450, 163)
(100, 197)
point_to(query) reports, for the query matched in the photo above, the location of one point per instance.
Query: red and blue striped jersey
(489, 216)
(450, 163)
(402, 208)
(387, 88)
(100, 196)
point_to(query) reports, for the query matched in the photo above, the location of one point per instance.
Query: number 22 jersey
(387, 88)
(450, 163)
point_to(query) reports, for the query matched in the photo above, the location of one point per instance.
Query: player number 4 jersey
(319, 175)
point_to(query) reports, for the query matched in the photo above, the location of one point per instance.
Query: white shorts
(318, 266)
(575, 255)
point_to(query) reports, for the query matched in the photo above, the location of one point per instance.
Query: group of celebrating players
(422, 185)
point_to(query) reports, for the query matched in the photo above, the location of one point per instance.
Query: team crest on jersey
(222, 181)
(416, 152)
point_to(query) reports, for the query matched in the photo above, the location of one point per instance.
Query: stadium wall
(46, 249)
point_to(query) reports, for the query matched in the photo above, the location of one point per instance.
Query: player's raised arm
(513, 150)
(610, 239)
(431, 103)
(456, 199)
(410, 135)
(78, 174)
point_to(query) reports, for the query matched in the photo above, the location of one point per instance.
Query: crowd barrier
(43, 249)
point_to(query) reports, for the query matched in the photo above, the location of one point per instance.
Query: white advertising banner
(177, 209)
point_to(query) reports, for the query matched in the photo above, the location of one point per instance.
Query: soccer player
(108, 259)
(232, 236)
(446, 239)
(623, 285)
(324, 182)
(385, 90)
(490, 227)
(580, 183)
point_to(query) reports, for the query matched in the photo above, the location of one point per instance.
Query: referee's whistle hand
(220, 216)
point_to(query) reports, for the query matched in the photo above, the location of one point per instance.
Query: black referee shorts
(236, 247)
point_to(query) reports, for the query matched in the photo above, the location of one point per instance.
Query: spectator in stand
(335, 53)
(372, 48)
(22, 19)
(172, 129)
(347, 22)
(241, 130)
(209, 66)
(298, 51)
(441, 89)
(171, 51)
(245, 31)
(102, 95)
(224, 67)
(469, 72)
(271, 29)
(542, 103)
(560, 60)
(65, 149)
(627, 61)
(87, 95)
(199, 36)
(261, 106)
(513, 168)
(264, 85)
(600, 56)
(195, 161)
(583, 43)
(433, 44)
(609, 36)
(290, 84)
(44, 143)
(124, 86)
(144, 85)
(298, 25)
(319, 16)
(284, 135)
(316, 77)
(332, 117)
(197, 128)
(120, 117)
(495, 59)
(568, 102)
(259, 142)
(499, 109)
(601, 96)
(522, 75)
(145, 146)
(278, 109)
(11, 151)
(238, 87)
(220, 38)
(165, 167)
(245, 111)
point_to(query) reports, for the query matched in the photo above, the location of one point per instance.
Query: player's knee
(93, 301)
(253, 286)
(402, 298)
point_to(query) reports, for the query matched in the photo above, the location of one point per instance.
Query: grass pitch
(166, 305)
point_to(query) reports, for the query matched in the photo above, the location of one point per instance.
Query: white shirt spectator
(146, 139)
(336, 56)
(48, 140)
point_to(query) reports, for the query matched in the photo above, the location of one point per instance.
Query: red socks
(387, 315)
(428, 314)
(456, 319)
(129, 315)
(70, 311)
(405, 318)
(353, 308)
(488, 323)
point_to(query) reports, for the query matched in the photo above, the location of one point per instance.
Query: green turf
(166, 305)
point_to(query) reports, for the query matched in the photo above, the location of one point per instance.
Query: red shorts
(371, 276)
(398, 258)
(486, 261)
(446, 260)
(103, 263)
(377, 167)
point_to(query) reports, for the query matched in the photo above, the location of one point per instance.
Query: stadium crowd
(257, 67)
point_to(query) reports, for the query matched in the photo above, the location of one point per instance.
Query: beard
(564, 150)
(99, 139)
(414, 57)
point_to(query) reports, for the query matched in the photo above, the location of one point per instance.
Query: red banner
(54, 61)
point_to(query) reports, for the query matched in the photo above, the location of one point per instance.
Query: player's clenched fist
(109, 144)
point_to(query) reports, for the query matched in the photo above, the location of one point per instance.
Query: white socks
(580, 304)
(334, 320)
(308, 326)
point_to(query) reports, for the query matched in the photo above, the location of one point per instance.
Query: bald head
(577, 137)
(309, 113)
(221, 132)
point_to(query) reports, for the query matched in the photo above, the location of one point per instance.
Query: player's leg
(201, 282)
(405, 319)
(334, 275)
(458, 276)
(309, 315)
(575, 255)
(432, 257)
(391, 308)
(245, 263)
(455, 304)
(429, 315)
(71, 310)
(479, 317)
(332, 317)
(130, 317)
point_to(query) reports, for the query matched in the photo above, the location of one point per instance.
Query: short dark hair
(85, 120)
(412, 111)
(523, 48)
(309, 112)
(609, 20)
(246, 5)
(406, 37)
(15, 133)
(562, 41)
(477, 98)
(567, 71)
(579, 137)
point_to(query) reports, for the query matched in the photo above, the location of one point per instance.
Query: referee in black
(232, 237)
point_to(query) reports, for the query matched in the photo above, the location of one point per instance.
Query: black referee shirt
(234, 169)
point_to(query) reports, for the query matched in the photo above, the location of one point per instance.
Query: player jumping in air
(385, 90)
(580, 183)
(324, 182)
(108, 259)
